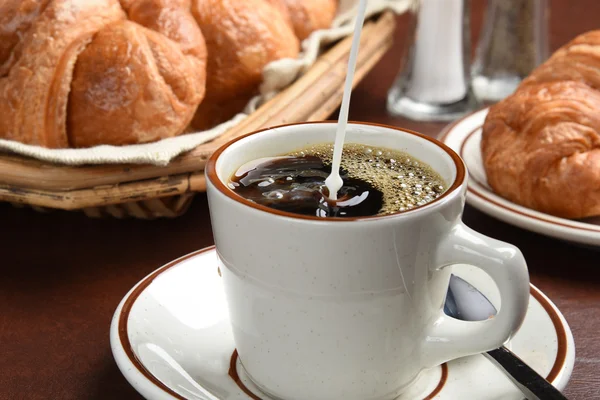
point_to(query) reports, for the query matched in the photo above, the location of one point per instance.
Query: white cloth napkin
(276, 76)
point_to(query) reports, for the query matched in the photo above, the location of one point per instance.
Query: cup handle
(450, 338)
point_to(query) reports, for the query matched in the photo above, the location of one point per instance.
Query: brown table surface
(63, 274)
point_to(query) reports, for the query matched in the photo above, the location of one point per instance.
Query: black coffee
(376, 182)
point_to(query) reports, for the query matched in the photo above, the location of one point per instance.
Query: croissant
(541, 145)
(578, 61)
(81, 73)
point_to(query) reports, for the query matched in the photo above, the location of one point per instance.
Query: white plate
(464, 137)
(171, 339)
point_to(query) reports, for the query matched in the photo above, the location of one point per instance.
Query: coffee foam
(404, 181)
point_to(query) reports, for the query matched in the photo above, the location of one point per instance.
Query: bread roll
(308, 16)
(139, 80)
(35, 91)
(16, 17)
(241, 38)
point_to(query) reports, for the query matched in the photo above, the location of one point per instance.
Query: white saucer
(171, 339)
(464, 137)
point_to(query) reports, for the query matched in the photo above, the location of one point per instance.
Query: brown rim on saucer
(124, 320)
(448, 130)
(122, 328)
(233, 373)
(211, 174)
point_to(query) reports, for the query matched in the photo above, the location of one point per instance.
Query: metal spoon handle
(524, 377)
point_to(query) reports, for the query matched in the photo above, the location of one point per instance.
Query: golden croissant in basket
(541, 146)
(80, 73)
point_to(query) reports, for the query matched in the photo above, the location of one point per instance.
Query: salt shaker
(513, 41)
(434, 81)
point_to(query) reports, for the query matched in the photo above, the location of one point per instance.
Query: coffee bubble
(397, 176)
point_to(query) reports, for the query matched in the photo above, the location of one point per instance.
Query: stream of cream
(334, 181)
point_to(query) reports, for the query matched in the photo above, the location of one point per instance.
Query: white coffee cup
(337, 308)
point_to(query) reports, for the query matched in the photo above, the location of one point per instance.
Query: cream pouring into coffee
(343, 180)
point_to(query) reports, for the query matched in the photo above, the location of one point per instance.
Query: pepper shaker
(434, 81)
(513, 41)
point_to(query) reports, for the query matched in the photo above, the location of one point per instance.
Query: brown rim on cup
(211, 174)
